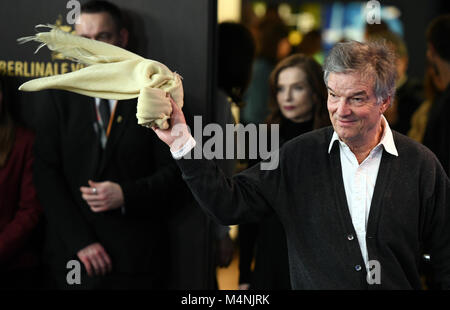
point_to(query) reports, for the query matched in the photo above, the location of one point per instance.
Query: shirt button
(350, 237)
(358, 267)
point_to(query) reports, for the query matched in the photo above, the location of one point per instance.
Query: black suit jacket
(68, 154)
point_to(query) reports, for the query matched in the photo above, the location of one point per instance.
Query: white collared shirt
(359, 181)
(112, 105)
(104, 138)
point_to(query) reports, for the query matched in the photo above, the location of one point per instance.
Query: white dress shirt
(112, 106)
(359, 181)
(104, 137)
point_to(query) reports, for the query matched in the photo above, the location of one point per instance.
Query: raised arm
(247, 196)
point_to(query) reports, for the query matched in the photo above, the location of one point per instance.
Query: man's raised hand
(178, 132)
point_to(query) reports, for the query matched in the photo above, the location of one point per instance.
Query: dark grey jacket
(410, 212)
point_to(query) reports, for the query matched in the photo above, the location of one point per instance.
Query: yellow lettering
(64, 68)
(32, 69)
(55, 68)
(10, 67)
(25, 69)
(18, 68)
(76, 67)
(3, 67)
(48, 69)
(40, 66)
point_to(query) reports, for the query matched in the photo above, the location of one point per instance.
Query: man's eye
(104, 36)
(333, 95)
(357, 99)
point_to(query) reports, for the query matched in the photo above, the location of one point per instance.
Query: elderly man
(359, 202)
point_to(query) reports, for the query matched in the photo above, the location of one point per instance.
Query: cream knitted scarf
(112, 73)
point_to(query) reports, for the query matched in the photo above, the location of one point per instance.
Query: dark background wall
(178, 33)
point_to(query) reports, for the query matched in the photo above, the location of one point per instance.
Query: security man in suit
(90, 156)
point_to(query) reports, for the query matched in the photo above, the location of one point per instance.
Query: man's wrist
(185, 148)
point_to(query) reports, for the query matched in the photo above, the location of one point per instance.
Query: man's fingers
(99, 209)
(95, 202)
(177, 114)
(88, 190)
(101, 264)
(94, 263)
(87, 264)
(107, 260)
(95, 259)
(90, 198)
(176, 111)
(175, 106)
(91, 195)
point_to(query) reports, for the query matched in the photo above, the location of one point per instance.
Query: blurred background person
(236, 51)
(409, 91)
(430, 123)
(437, 133)
(432, 90)
(298, 101)
(20, 210)
(272, 45)
(374, 29)
(311, 45)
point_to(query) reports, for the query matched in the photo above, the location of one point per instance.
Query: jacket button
(358, 267)
(350, 237)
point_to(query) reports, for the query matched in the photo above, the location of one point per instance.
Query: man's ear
(124, 35)
(385, 104)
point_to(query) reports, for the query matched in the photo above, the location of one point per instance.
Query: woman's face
(294, 95)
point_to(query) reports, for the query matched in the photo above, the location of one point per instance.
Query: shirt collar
(387, 139)
(111, 101)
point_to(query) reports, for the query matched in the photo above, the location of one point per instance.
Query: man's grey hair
(372, 59)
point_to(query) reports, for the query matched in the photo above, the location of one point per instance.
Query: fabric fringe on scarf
(111, 73)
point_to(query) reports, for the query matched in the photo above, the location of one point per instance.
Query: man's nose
(343, 109)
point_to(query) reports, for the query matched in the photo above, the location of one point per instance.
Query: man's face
(100, 27)
(353, 108)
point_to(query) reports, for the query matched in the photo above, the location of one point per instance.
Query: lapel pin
(119, 118)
